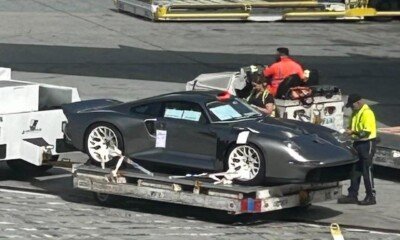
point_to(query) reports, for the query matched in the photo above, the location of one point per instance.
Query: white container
(18, 97)
(31, 118)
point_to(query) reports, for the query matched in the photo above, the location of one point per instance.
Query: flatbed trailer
(388, 148)
(259, 10)
(201, 192)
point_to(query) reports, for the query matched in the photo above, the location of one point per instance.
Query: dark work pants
(366, 151)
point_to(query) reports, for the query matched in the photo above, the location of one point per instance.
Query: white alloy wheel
(99, 141)
(246, 161)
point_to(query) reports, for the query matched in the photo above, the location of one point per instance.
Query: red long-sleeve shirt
(281, 70)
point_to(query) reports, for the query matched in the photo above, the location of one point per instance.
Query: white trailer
(388, 148)
(200, 192)
(31, 121)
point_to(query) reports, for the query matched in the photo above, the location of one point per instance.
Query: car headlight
(294, 151)
(292, 145)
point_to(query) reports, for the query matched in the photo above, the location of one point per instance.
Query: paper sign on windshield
(173, 113)
(225, 112)
(191, 115)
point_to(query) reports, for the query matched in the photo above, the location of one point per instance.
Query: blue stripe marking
(250, 205)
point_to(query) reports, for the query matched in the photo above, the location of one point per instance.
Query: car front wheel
(100, 138)
(249, 163)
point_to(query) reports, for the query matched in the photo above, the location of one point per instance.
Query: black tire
(105, 199)
(259, 179)
(24, 168)
(120, 146)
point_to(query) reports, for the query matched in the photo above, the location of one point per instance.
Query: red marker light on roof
(223, 96)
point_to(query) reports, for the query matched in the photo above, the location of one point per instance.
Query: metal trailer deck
(388, 148)
(199, 192)
(251, 10)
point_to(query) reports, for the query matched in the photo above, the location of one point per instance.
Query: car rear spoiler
(81, 106)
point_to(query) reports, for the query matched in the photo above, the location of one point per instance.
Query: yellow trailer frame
(250, 10)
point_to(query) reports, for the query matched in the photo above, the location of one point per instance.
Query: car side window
(150, 109)
(186, 111)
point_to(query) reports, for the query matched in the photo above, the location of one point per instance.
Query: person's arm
(300, 72)
(368, 124)
(348, 129)
(269, 71)
(267, 109)
(269, 105)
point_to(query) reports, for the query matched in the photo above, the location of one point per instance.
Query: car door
(141, 140)
(190, 140)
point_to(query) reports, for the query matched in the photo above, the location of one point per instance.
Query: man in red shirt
(283, 68)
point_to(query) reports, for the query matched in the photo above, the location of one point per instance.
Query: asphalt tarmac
(88, 45)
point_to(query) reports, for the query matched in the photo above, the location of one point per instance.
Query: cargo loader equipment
(31, 122)
(259, 10)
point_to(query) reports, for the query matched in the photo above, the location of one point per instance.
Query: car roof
(192, 96)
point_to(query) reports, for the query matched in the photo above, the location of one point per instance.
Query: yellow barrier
(336, 232)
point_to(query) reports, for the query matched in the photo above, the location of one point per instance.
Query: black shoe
(348, 200)
(368, 200)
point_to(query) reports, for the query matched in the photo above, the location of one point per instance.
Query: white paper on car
(191, 115)
(173, 113)
(225, 112)
(161, 138)
(242, 137)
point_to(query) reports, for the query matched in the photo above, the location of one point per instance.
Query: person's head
(281, 52)
(354, 101)
(259, 83)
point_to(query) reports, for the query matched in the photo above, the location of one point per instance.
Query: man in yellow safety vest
(362, 129)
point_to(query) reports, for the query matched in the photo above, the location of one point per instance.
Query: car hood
(313, 142)
(284, 128)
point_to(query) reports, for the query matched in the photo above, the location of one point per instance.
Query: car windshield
(231, 110)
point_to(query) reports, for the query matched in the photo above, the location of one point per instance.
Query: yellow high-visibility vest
(363, 120)
(263, 98)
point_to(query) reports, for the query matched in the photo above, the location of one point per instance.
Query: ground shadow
(352, 73)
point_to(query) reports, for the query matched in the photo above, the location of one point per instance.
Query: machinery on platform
(325, 107)
(260, 10)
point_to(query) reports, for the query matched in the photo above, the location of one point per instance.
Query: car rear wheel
(99, 140)
(249, 163)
